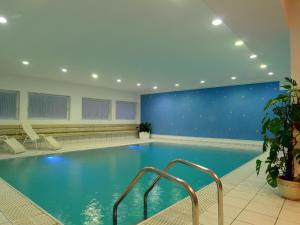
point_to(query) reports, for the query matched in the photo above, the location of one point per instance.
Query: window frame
(17, 116)
(135, 110)
(47, 118)
(97, 99)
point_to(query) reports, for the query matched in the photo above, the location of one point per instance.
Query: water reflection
(93, 213)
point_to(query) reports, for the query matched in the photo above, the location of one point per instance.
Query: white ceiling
(152, 42)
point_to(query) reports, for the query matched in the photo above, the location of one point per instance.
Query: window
(96, 109)
(46, 106)
(9, 104)
(125, 110)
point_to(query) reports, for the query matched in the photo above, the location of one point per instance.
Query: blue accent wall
(233, 112)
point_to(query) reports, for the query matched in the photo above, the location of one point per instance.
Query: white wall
(75, 91)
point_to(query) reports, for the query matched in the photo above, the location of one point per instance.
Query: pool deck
(248, 200)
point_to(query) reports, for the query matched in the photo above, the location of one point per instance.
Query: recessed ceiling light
(217, 22)
(95, 76)
(263, 66)
(253, 56)
(239, 43)
(119, 80)
(64, 70)
(3, 20)
(24, 62)
(233, 78)
(155, 87)
(270, 73)
(202, 81)
(138, 84)
(177, 85)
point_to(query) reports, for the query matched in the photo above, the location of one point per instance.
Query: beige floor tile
(269, 200)
(234, 201)
(240, 194)
(209, 218)
(289, 216)
(237, 222)
(256, 218)
(3, 219)
(292, 204)
(229, 211)
(284, 222)
(263, 208)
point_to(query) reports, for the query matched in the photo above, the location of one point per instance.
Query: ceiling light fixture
(202, 81)
(233, 78)
(253, 56)
(217, 22)
(64, 70)
(155, 87)
(138, 84)
(24, 62)
(177, 85)
(263, 66)
(119, 80)
(239, 43)
(95, 76)
(270, 73)
(3, 20)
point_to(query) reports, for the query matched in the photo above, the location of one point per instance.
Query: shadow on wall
(233, 112)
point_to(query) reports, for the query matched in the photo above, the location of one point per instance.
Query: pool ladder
(163, 174)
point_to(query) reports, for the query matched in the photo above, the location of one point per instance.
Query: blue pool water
(81, 187)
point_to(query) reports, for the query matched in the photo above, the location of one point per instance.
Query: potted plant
(280, 130)
(144, 130)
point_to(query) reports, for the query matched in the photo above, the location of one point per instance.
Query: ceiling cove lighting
(177, 85)
(155, 87)
(217, 22)
(253, 56)
(239, 43)
(202, 81)
(64, 70)
(26, 63)
(233, 78)
(3, 20)
(270, 73)
(263, 66)
(119, 80)
(138, 84)
(95, 76)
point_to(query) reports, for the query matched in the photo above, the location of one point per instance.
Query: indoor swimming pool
(81, 187)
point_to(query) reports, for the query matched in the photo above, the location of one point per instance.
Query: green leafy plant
(280, 128)
(145, 127)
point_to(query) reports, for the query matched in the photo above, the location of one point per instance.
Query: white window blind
(125, 110)
(96, 109)
(46, 106)
(9, 104)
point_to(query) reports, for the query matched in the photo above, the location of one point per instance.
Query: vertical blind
(48, 106)
(96, 109)
(125, 110)
(9, 104)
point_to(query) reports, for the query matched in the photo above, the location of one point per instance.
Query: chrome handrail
(198, 167)
(162, 174)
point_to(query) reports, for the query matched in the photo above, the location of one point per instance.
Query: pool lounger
(13, 145)
(32, 136)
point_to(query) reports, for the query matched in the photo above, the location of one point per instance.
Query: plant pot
(289, 189)
(144, 135)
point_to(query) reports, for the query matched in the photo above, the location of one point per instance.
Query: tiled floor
(248, 200)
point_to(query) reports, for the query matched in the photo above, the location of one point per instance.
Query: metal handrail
(198, 167)
(162, 174)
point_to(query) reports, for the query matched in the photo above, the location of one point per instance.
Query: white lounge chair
(12, 144)
(32, 136)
